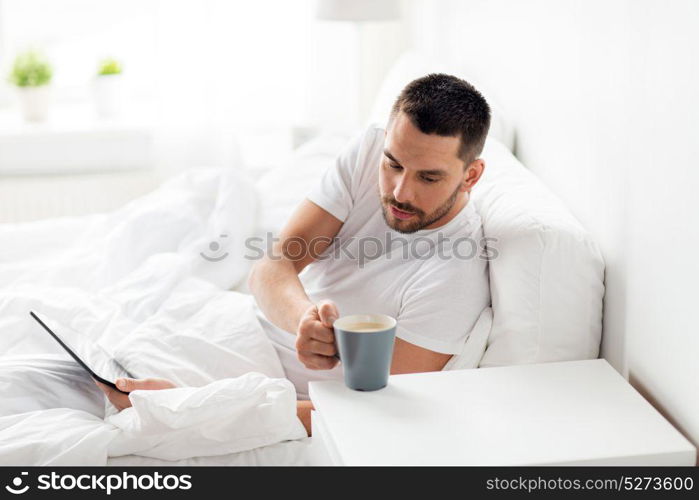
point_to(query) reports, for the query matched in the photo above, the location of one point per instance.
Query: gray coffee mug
(365, 353)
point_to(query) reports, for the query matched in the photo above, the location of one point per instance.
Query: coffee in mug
(365, 346)
(365, 327)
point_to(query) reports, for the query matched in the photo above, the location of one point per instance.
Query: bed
(159, 285)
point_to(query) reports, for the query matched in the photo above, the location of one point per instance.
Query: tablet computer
(88, 354)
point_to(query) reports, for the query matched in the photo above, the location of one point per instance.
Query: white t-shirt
(433, 281)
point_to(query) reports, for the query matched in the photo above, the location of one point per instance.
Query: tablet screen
(86, 352)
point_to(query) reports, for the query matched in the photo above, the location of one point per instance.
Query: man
(383, 232)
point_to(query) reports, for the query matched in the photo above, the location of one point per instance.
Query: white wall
(605, 98)
(663, 336)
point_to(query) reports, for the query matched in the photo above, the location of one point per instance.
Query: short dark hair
(448, 106)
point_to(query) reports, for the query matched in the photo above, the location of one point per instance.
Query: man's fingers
(315, 343)
(147, 384)
(327, 310)
(322, 334)
(314, 329)
(127, 384)
(314, 332)
(119, 400)
(315, 347)
(310, 315)
(318, 362)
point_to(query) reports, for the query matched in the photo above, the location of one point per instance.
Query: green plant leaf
(31, 69)
(109, 66)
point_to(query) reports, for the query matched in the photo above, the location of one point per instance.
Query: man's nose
(403, 192)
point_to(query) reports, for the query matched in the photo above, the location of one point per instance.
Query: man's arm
(280, 295)
(409, 358)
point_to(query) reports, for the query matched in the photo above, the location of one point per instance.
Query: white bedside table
(571, 413)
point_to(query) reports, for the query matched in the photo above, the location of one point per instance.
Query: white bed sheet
(292, 453)
(135, 282)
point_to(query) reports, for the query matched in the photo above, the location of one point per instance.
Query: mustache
(406, 207)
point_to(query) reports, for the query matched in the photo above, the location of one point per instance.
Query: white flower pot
(34, 102)
(107, 91)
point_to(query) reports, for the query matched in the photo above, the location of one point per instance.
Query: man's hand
(315, 340)
(121, 400)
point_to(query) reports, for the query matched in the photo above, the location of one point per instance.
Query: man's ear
(473, 173)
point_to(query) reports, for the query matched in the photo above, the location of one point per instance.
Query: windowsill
(73, 140)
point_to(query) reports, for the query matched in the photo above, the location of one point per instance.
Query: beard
(420, 219)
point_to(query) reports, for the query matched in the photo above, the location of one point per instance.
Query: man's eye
(395, 167)
(429, 180)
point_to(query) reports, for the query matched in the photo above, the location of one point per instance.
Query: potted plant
(31, 74)
(107, 88)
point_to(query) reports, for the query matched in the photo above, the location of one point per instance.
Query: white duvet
(150, 283)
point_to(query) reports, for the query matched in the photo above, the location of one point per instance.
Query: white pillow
(546, 282)
(476, 342)
(412, 65)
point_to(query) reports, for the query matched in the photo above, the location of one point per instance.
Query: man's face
(422, 180)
